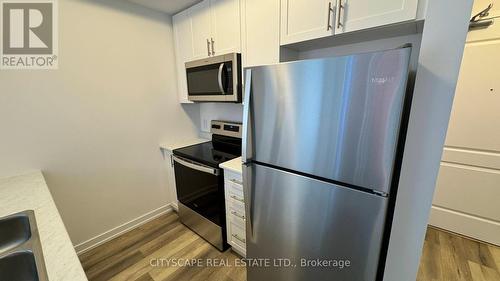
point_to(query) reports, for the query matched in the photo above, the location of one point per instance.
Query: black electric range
(200, 182)
(212, 153)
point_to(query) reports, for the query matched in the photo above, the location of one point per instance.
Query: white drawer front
(230, 175)
(237, 220)
(235, 211)
(236, 208)
(235, 191)
(235, 183)
(238, 236)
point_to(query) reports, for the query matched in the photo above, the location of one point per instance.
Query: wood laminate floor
(133, 256)
(450, 257)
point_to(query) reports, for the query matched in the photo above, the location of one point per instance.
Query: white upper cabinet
(183, 51)
(209, 28)
(260, 32)
(355, 15)
(305, 19)
(225, 26)
(215, 28)
(200, 22)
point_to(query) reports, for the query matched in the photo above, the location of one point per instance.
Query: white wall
(441, 50)
(93, 126)
(218, 111)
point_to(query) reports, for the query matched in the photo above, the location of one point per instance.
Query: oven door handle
(221, 87)
(198, 167)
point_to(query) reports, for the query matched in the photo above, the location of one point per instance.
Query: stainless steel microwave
(215, 79)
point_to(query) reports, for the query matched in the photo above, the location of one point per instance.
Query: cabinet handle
(339, 24)
(238, 215)
(236, 181)
(213, 50)
(330, 11)
(237, 198)
(208, 47)
(239, 238)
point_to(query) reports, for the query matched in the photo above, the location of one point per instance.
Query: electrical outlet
(205, 125)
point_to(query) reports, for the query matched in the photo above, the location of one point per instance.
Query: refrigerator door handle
(248, 193)
(247, 125)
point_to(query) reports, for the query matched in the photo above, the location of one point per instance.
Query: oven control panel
(226, 128)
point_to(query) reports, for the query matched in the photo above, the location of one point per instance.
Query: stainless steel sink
(14, 231)
(18, 266)
(21, 257)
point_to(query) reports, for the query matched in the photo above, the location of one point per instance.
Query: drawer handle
(237, 198)
(237, 182)
(239, 238)
(238, 215)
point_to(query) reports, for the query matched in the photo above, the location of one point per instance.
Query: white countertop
(30, 192)
(234, 165)
(171, 145)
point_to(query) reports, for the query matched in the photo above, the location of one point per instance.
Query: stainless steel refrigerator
(320, 151)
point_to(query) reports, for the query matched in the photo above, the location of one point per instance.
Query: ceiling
(168, 6)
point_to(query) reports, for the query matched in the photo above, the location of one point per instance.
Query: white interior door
(468, 189)
(475, 120)
(200, 22)
(305, 19)
(363, 14)
(226, 26)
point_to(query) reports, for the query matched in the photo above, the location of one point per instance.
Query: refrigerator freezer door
(295, 217)
(336, 118)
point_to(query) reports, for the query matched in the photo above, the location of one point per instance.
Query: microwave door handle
(196, 167)
(221, 87)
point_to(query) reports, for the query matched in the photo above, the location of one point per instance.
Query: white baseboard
(175, 206)
(119, 230)
(475, 227)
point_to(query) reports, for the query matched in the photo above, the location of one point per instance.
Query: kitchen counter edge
(29, 191)
(234, 165)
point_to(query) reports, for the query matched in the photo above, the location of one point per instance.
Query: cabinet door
(200, 23)
(362, 14)
(261, 34)
(183, 51)
(225, 26)
(305, 19)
